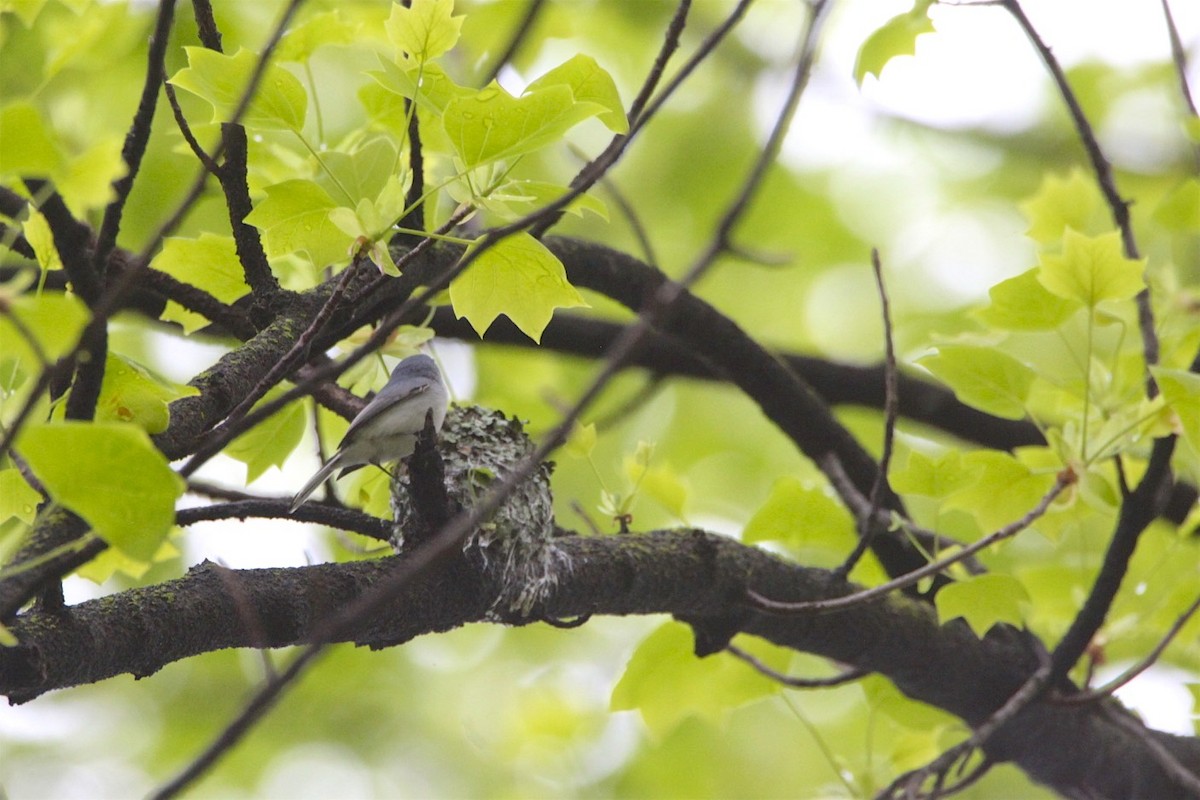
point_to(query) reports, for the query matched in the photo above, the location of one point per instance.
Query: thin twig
(1128, 675)
(1104, 177)
(137, 138)
(1184, 777)
(842, 678)
(909, 784)
(1064, 479)
(186, 129)
(891, 405)
(347, 519)
(524, 26)
(1179, 56)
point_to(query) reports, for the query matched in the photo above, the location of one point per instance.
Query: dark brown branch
(1076, 750)
(137, 137)
(1137, 511)
(870, 523)
(346, 519)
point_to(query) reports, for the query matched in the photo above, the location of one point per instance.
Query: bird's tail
(316, 480)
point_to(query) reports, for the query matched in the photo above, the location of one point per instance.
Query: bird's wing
(374, 408)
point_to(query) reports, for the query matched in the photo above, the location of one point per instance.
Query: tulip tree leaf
(518, 277)
(110, 474)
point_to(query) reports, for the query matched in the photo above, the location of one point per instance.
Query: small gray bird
(387, 427)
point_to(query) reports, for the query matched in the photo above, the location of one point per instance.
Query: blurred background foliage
(526, 712)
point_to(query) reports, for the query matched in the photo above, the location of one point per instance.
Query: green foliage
(17, 498)
(207, 262)
(130, 393)
(984, 601)
(329, 153)
(111, 475)
(270, 443)
(223, 80)
(897, 37)
(517, 277)
(800, 514)
(983, 377)
(1091, 270)
(667, 683)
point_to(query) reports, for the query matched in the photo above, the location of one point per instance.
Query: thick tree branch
(1077, 750)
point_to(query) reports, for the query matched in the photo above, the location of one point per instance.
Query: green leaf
(493, 124)
(667, 683)
(85, 182)
(111, 475)
(270, 442)
(983, 377)
(1024, 304)
(590, 82)
(799, 514)
(661, 484)
(294, 218)
(1179, 211)
(130, 393)
(362, 173)
(581, 441)
(1182, 391)
(999, 490)
(1092, 269)
(883, 696)
(300, 42)
(424, 31)
(54, 319)
(1073, 202)
(519, 278)
(280, 101)
(429, 85)
(111, 561)
(41, 239)
(515, 198)
(30, 149)
(26, 10)
(208, 262)
(897, 37)
(930, 477)
(984, 601)
(17, 498)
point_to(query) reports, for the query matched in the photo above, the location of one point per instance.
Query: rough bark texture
(1078, 750)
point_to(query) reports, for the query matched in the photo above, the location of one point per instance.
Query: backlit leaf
(424, 31)
(294, 219)
(269, 443)
(1024, 304)
(799, 514)
(897, 37)
(667, 683)
(208, 262)
(279, 103)
(984, 601)
(492, 124)
(983, 377)
(519, 278)
(1182, 391)
(1061, 203)
(130, 393)
(111, 475)
(591, 82)
(1092, 269)
(17, 498)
